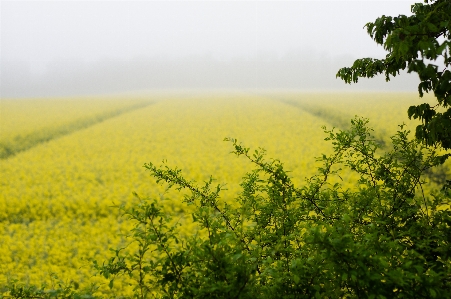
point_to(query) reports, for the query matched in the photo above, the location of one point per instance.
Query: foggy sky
(52, 48)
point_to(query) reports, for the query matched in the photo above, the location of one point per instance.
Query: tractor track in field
(23, 143)
(337, 120)
(334, 119)
(437, 175)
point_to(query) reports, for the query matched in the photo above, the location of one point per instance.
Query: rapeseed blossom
(57, 210)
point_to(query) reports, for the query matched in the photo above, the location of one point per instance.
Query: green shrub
(57, 289)
(384, 238)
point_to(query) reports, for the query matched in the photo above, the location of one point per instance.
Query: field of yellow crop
(57, 195)
(385, 110)
(26, 122)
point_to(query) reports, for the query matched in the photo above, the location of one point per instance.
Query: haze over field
(55, 48)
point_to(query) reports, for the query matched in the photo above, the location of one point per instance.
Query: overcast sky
(82, 47)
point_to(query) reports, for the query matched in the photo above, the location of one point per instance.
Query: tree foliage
(412, 43)
(382, 239)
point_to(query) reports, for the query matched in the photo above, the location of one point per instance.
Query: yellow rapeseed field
(26, 122)
(57, 196)
(23, 116)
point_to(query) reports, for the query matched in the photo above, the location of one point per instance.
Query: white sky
(39, 36)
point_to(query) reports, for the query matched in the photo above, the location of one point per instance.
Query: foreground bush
(57, 289)
(383, 239)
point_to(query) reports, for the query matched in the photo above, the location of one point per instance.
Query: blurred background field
(27, 122)
(57, 194)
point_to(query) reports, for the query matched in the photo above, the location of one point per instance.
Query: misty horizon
(56, 48)
(198, 73)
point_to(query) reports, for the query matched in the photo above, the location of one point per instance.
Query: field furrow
(21, 142)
